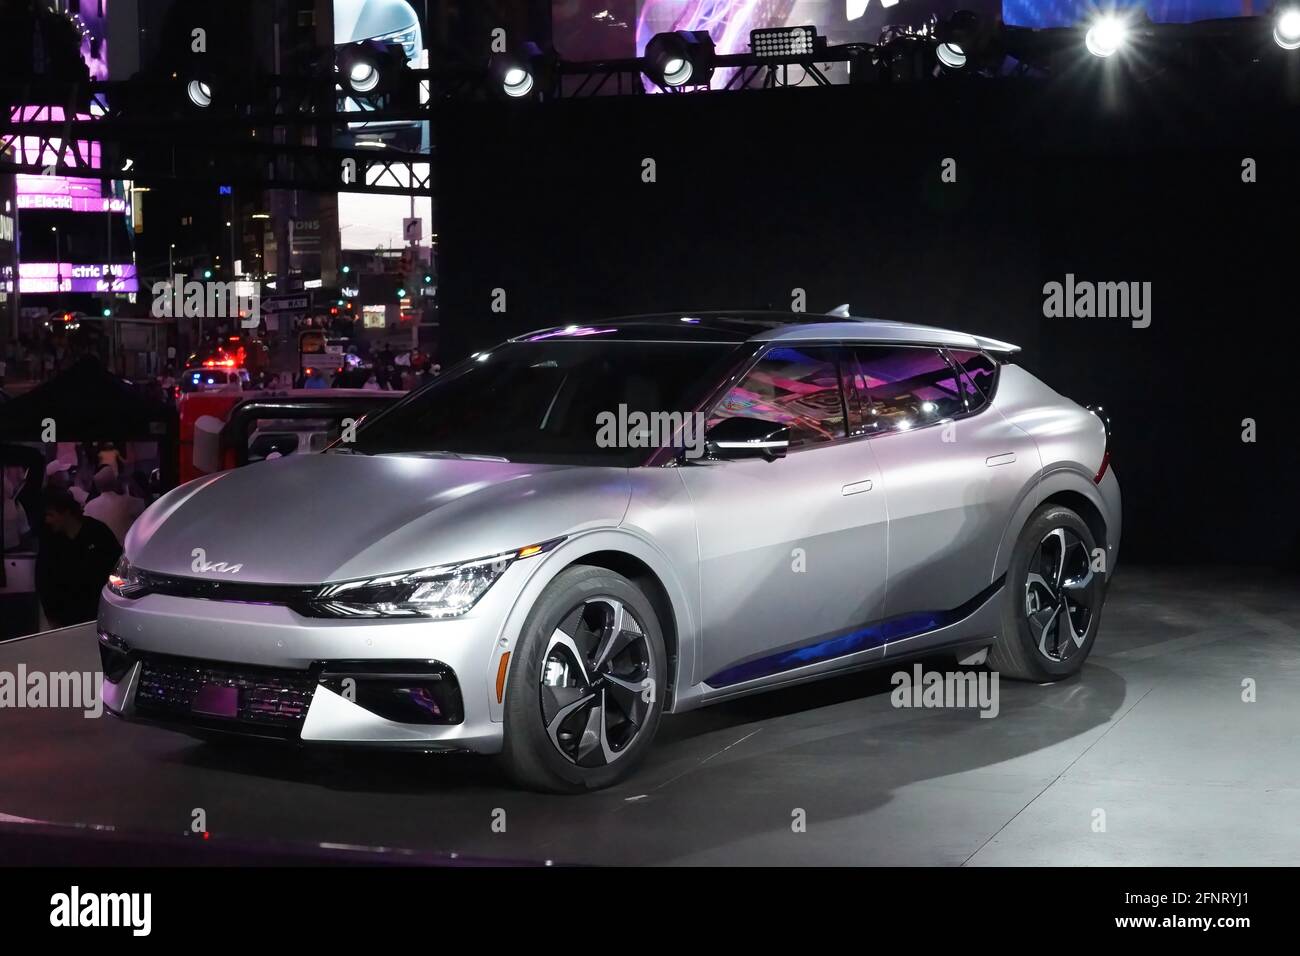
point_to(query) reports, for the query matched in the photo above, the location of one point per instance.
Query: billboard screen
(375, 222)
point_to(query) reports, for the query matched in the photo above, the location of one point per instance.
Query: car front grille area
(290, 595)
(265, 701)
(273, 702)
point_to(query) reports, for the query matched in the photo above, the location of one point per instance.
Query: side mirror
(735, 438)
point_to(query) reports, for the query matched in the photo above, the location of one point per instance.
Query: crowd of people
(31, 359)
(75, 524)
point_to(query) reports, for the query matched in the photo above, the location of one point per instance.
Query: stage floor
(1153, 742)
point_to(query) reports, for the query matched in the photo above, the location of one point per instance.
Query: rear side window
(981, 372)
(904, 387)
(798, 387)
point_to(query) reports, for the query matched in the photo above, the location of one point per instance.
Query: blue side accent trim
(851, 642)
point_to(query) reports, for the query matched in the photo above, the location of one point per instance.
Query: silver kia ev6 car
(564, 538)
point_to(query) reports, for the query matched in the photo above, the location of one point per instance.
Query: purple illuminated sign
(77, 277)
(67, 193)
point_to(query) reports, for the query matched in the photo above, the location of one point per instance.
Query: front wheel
(1053, 599)
(585, 687)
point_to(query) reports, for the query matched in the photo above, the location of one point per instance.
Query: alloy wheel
(595, 675)
(1060, 599)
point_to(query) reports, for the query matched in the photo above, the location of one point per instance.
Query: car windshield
(546, 401)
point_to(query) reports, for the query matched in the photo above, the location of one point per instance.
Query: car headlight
(125, 580)
(448, 590)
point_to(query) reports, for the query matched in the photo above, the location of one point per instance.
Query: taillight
(1101, 472)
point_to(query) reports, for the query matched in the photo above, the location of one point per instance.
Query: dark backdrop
(837, 191)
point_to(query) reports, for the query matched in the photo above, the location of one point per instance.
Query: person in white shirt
(60, 474)
(113, 508)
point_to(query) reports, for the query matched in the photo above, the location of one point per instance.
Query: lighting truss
(242, 142)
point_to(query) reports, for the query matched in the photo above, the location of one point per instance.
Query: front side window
(544, 401)
(904, 387)
(797, 387)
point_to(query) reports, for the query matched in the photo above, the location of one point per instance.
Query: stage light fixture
(517, 72)
(1286, 27)
(783, 42)
(371, 66)
(675, 59)
(200, 93)
(1106, 35)
(951, 55)
(966, 40)
(363, 77)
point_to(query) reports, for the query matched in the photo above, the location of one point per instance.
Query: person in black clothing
(77, 553)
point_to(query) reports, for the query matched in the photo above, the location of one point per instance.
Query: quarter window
(980, 372)
(904, 387)
(798, 387)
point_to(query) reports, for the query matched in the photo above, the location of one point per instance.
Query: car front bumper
(205, 667)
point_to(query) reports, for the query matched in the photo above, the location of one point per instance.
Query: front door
(792, 551)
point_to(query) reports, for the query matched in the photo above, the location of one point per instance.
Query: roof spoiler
(995, 345)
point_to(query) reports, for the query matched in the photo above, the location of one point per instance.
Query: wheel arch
(1069, 488)
(634, 558)
(644, 577)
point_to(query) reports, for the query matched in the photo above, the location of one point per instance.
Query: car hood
(311, 519)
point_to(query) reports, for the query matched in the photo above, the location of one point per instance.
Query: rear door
(953, 470)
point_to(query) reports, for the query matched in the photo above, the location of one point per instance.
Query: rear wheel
(1053, 599)
(584, 694)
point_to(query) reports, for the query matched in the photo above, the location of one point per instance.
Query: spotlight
(518, 71)
(200, 93)
(1106, 35)
(363, 77)
(371, 66)
(951, 55)
(1286, 28)
(675, 59)
(967, 41)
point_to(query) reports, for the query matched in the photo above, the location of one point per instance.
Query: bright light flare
(1107, 34)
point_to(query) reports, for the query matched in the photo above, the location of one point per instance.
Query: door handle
(856, 487)
(1004, 459)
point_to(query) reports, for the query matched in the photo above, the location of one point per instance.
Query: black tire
(1016, 654)
(530, 756)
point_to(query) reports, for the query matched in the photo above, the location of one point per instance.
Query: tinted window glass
(904, 387)
(283, 443)
(980, 372)
(797, 387)
(544, 401)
